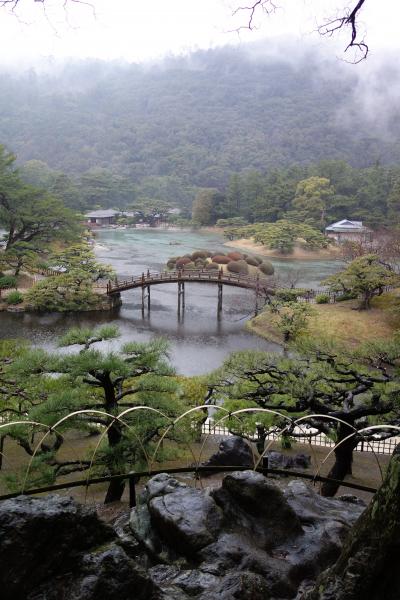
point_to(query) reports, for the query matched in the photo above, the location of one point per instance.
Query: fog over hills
(199, 118)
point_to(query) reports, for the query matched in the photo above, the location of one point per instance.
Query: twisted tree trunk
(343, 461)
(368, 566)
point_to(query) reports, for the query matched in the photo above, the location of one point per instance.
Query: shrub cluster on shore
(233, 262)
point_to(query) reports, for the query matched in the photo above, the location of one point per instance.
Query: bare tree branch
(343, 22)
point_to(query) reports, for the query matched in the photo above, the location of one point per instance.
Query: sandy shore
(297, 254)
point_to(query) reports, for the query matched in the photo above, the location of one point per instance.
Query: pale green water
(199, 342)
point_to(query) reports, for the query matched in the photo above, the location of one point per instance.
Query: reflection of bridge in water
(257, 284)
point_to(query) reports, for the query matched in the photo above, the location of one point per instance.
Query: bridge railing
(186, 275)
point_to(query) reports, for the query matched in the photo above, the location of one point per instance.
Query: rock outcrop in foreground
(246, 539)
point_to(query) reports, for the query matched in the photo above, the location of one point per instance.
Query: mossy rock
(235, 255)
(181, 262)
(221, 259)
(238, 266)
(267, 268)
(212, 266)
(199, 254)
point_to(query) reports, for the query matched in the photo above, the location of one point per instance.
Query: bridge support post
(219, 309)
(181, 296)
(146, 295)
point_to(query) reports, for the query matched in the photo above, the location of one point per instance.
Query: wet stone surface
(247, 539)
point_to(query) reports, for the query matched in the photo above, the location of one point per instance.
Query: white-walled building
(346, 230)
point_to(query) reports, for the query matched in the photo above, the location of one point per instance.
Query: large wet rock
(246, 539)
(40, 536)
(232, 452)
(253, 505)
(183, 514)
(277, 460)
(52, 548)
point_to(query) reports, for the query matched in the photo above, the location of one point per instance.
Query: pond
(199, 341)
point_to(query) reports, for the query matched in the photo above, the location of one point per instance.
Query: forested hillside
(190, 122)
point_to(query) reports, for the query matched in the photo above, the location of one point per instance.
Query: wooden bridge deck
(192, 276)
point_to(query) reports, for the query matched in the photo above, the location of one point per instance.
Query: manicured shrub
(14, 298)
(221, 259)
(181, 262)
(190, 265)
(200, 263)
(7, 282)
(171, 264)
(199, 254)
(212, 266)
(267, 268)
(252, 261)
(238, 266)
(235, 255)
(346, 296)
(286, 295)
(322, 299)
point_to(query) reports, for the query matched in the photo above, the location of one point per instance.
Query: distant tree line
(316, 195)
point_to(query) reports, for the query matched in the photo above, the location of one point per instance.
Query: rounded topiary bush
(200, 263)
(199, 254)
(235, 255)
(252, 261)
(238, 266)
(266, 268)
(212, 266)
(171, 264)
(190, 265)
(181, 262)
(221, 259)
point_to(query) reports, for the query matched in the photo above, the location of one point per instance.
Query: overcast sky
(137, 30)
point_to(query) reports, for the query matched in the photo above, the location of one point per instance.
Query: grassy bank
(341, 321)
(299, 253)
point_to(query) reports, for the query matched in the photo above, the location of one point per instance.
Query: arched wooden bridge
(144, 281)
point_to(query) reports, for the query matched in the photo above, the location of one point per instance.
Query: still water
(199, 342)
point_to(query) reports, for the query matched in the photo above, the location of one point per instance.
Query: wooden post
(148, 298)
(132, 491)
(181, 295)
(219, 309)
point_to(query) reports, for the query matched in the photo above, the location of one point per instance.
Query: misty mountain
(195, 119)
